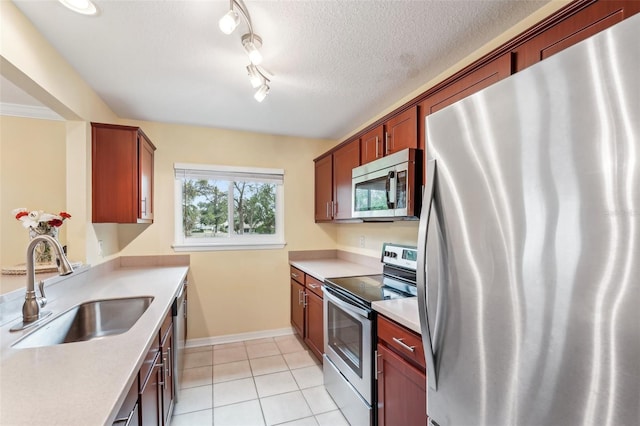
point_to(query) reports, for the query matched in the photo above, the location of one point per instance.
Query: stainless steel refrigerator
(529, 273)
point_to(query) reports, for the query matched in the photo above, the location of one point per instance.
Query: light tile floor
(273, 381)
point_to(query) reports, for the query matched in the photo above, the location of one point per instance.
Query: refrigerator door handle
(421, 281)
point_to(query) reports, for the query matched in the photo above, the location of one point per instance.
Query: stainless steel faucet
(31, 313)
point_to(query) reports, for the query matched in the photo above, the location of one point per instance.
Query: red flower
(55, 222)
(65, 215)
(22, 214)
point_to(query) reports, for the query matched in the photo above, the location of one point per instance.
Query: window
(228, 208)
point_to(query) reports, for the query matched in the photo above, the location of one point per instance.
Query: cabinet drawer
(147, 365)
(296, 274)
(313, 285)
(405, 342)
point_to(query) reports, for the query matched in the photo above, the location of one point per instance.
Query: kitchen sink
(88, 321)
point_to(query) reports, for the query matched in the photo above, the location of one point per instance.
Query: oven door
(349, 341)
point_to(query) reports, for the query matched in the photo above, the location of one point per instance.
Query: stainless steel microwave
(388, 188)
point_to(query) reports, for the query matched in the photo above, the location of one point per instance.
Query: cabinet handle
(375, 360)
(185, 308)
(170, 368)
(404, 345)
(294, 275)
(335, 208)
(144, 205)
(304, 300)
(314, 285)
(328, 210)
(126, 420)
(299, 297)
(377, 153)
(386, 143)
(161, 365)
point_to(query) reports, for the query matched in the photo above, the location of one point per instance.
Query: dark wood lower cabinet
(402, 391)
(314, 334)
(150, 401)
(297, 307)
(129, 414)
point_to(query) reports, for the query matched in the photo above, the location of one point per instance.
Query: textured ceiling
(335, 64)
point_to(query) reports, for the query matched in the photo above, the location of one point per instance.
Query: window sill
(182, 247)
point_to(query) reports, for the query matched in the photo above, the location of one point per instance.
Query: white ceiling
(335, 64)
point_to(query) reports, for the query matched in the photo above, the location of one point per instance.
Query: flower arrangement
(41, 223)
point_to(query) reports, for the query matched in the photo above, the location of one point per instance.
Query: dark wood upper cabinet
(122, 174)
(588, 21)
(394, 135)
(344, 160)
(473, 82)
(372, 145)
(401, 131)
(333, 182)
(324, 189)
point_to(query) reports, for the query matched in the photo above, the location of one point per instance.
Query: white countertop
(84, 383)
(402, 311)
(333, 268)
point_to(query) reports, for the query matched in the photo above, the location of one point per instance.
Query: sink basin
(88, 321)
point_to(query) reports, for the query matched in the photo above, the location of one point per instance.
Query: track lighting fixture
(261, 93)
(84, 7)
(255, 76)
(251, 43)
(229, 22)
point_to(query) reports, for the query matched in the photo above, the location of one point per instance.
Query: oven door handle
(344, 305)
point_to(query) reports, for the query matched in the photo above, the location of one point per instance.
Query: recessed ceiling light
(85, 7)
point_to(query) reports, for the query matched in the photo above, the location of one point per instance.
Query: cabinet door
(314, 333)
(402, 392)
(114, 174)
(401, 132)
(128, 415)
(145, 176)
(324, 189)
(122, 174)
(372, 145)
(579, 26)
(297, 307)
(477, 80)
(344, 160)
(167, 376)
(150, 397)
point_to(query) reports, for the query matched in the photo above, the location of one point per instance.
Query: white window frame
(233, 242)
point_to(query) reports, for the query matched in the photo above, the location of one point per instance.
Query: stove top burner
(372, 288)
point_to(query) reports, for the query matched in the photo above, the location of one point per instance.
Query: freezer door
(533, 258)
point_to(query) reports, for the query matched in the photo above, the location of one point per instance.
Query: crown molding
(28, 111)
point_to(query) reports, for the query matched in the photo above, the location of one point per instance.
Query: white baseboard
(231, 338)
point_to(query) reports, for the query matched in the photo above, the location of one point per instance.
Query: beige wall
(233, 291)
(32, 175)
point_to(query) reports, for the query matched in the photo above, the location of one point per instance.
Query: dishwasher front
(179, 310)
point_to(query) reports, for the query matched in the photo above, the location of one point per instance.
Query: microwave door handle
(391, 189)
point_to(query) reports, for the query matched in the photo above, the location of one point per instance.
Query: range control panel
(399, 255)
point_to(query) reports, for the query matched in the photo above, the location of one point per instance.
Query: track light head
(261, 93)
(252, 43)
(229, 22)
(255, 77)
